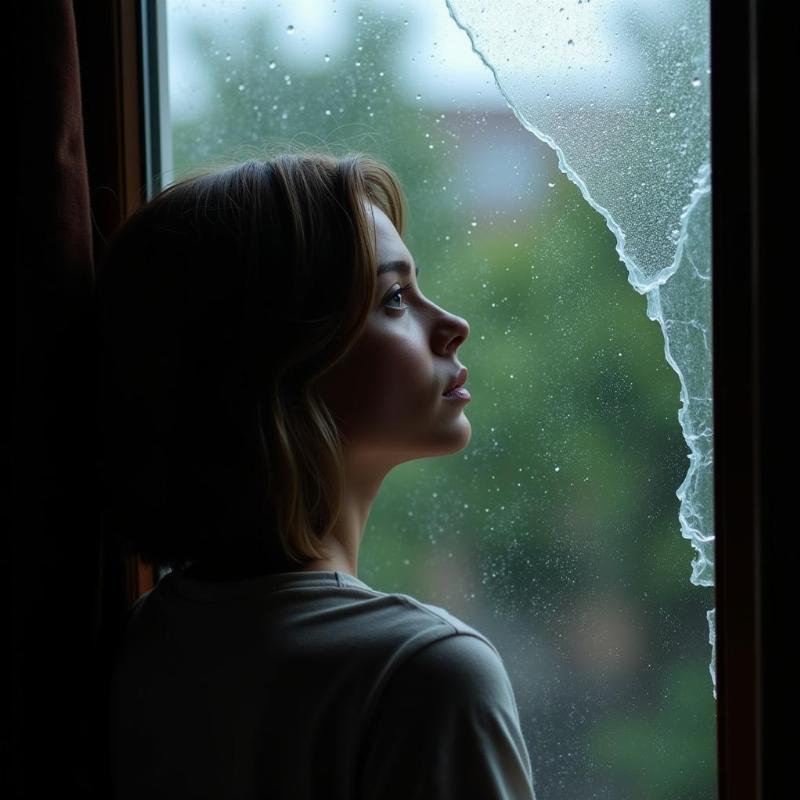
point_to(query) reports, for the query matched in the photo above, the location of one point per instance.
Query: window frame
(741, 76)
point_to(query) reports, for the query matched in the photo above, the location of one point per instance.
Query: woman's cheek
(398, 375)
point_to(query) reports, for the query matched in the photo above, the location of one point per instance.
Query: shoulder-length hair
(222, 301)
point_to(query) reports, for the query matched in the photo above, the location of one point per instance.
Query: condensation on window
(621, 92)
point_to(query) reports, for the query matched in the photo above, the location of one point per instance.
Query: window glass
(556, 160)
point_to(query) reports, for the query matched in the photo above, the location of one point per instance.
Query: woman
(269, 357)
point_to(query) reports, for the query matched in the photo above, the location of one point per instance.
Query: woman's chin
(468, 434)
(459, 435)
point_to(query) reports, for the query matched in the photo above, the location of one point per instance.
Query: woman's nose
(452, 330)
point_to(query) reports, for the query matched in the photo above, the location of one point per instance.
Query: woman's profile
(269, 357)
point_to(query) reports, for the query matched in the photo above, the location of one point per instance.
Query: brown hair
(222, 300)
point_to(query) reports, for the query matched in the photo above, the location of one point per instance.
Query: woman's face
(387, 392)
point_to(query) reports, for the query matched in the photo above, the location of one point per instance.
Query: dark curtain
(66, 593)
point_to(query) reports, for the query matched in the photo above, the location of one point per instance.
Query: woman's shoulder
(461, 668)
(455, 705)
(430, 646)
(424, 622)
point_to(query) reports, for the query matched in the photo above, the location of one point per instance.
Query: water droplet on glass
(695, 81)
(327, 112)
(290, 29)
(272, 65)
(227, 56)
(241, 87)
(419, 97)
(327, 57)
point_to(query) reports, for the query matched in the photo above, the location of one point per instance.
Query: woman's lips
(458, 394)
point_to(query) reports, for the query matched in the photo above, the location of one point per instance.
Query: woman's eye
(398, 294)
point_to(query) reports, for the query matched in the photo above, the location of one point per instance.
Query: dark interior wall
(65, 586)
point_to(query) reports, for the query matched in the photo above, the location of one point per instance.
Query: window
(559, 195)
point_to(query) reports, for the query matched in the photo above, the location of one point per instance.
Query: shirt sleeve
(446, 728)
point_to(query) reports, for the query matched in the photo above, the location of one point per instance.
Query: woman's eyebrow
(396, 266)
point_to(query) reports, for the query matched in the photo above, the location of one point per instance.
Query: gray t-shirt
(309, 685)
